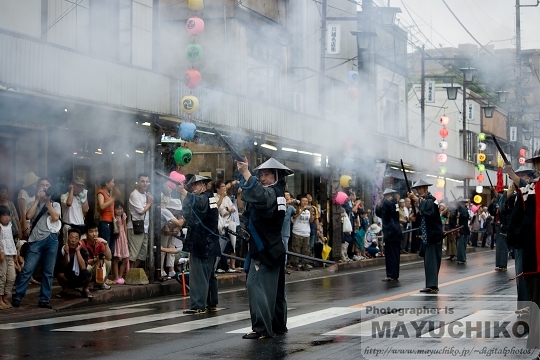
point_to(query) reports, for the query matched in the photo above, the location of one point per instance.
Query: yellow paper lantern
(195, 4)
(481, 157)
(440, 183)
(477, 199)
(345, 181)
(500, 161)
(189, 104)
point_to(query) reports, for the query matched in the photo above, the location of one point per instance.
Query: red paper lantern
(522, 152)
(352, 93)
(480, 178)
(439, 195)
(195, 25)
(443, 132)
(192, 78)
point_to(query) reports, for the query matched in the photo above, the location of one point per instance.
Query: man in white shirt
(140, 201)
(301, 229)
(74, 207)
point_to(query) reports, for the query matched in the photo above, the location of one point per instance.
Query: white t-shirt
(137, 202)
(6, 240)
(301, 224)
(72, 214)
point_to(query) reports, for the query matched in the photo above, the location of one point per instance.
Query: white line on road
(70, 318)
(198, 324)
(468, 295)
(369, 328)
(481, 316)
(309, 318)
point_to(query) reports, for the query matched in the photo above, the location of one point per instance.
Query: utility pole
(464, 118)
(423, 100)
(322, 66)
(518, 63)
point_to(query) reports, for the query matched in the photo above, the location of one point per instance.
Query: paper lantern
(443, 132)
(442, 170)
(474, 208)
(440, 183)
(482, 137)
(175, 175)
(500, 161)
(480, 178)
(521, 160)
(442, 158)
(182, 156)
(195, 25)
(481, 167)
(192, 78)
(195, 4)
(443, 145)
(352, 77)
(194, 52)
(349, 144)
(479, 189)
(340, 198)
(439, 195)
(481, 157)
(352, 93)
(482, 146)
(345, 181)
(522, 152)
(189, 104)
(477, 199)
(443, 120)
(187, 130)
(348, 163)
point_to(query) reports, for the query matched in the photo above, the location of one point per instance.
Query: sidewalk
(129, 293)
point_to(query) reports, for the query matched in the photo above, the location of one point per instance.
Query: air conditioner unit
(298, 102)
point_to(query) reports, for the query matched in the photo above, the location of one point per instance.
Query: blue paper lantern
(352, 77)
(187, 130)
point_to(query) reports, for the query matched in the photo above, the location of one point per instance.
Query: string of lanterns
(481, 168)
(442, 157)
(192, 78)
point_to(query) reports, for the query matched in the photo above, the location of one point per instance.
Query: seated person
(97, 248)
(73, 261)
(371, 240)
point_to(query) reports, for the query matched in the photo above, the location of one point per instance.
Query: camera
(49, 192)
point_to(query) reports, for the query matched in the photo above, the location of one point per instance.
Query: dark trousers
(432, 264)
(415, 244)
(533, 292)
(203, 282)
(501, 254)
(405, 239)
(391, 259)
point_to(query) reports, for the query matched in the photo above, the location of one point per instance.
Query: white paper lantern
(443, 145)
(444, 120)
(479, 189)
(481, 146)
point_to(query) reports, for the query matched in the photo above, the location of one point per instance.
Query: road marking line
(198, 324)
(480, 316)
(126, 322)
(468, 295)
(365, 328)
(309, 318)
(409, 293)
(70, 318)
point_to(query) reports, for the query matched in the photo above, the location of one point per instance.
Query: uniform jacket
(202, 216)
(429, 210)
(388, 211)
(265, 211)
(463, 218)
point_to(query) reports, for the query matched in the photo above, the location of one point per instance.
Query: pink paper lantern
(195, 25)
(175, 175)
(444, 120)
(192, 78)
(439, 195)
(443, 132)
(442, 158)
(340, 198)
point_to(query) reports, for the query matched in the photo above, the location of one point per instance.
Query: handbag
(138, 225)
(325, 251)
(100, 272)
(347, 226)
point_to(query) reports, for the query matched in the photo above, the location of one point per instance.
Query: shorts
(138, 245)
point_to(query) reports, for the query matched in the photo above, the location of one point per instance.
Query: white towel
(76, 269)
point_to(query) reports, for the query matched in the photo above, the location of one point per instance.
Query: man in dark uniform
(202, 242)
(388, 211)
(464, 232)
(427, 218)
(265, 209)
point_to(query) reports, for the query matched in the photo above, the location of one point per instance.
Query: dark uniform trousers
(391, 258)
(432, 264)
(267, 301)
(203, 282)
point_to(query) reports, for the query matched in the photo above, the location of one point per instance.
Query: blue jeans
(105, 230)
(43, 251)
(285, 240)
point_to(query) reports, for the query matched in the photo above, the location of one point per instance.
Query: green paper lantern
(182, 156)
(194, 52)
(481, 167)
(442, 170)
(482, 136)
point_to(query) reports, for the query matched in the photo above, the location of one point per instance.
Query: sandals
(388, 279)
(86, 294)
(430, 290)
(254, 335)
(194, 311)
(61, 294)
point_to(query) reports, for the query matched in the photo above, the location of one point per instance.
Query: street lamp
(363, 38)
(451, 91)
(388, 15)
(503, 95)
(468, 73)
(488, 110)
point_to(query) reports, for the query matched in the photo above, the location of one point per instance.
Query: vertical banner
(333, 39)
(513, 133)
(430, 92)
(470, 110)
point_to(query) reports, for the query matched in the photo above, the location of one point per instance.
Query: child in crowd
(8, 253)
(121, 251)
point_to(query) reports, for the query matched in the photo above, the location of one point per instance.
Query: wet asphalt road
(324, 318)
